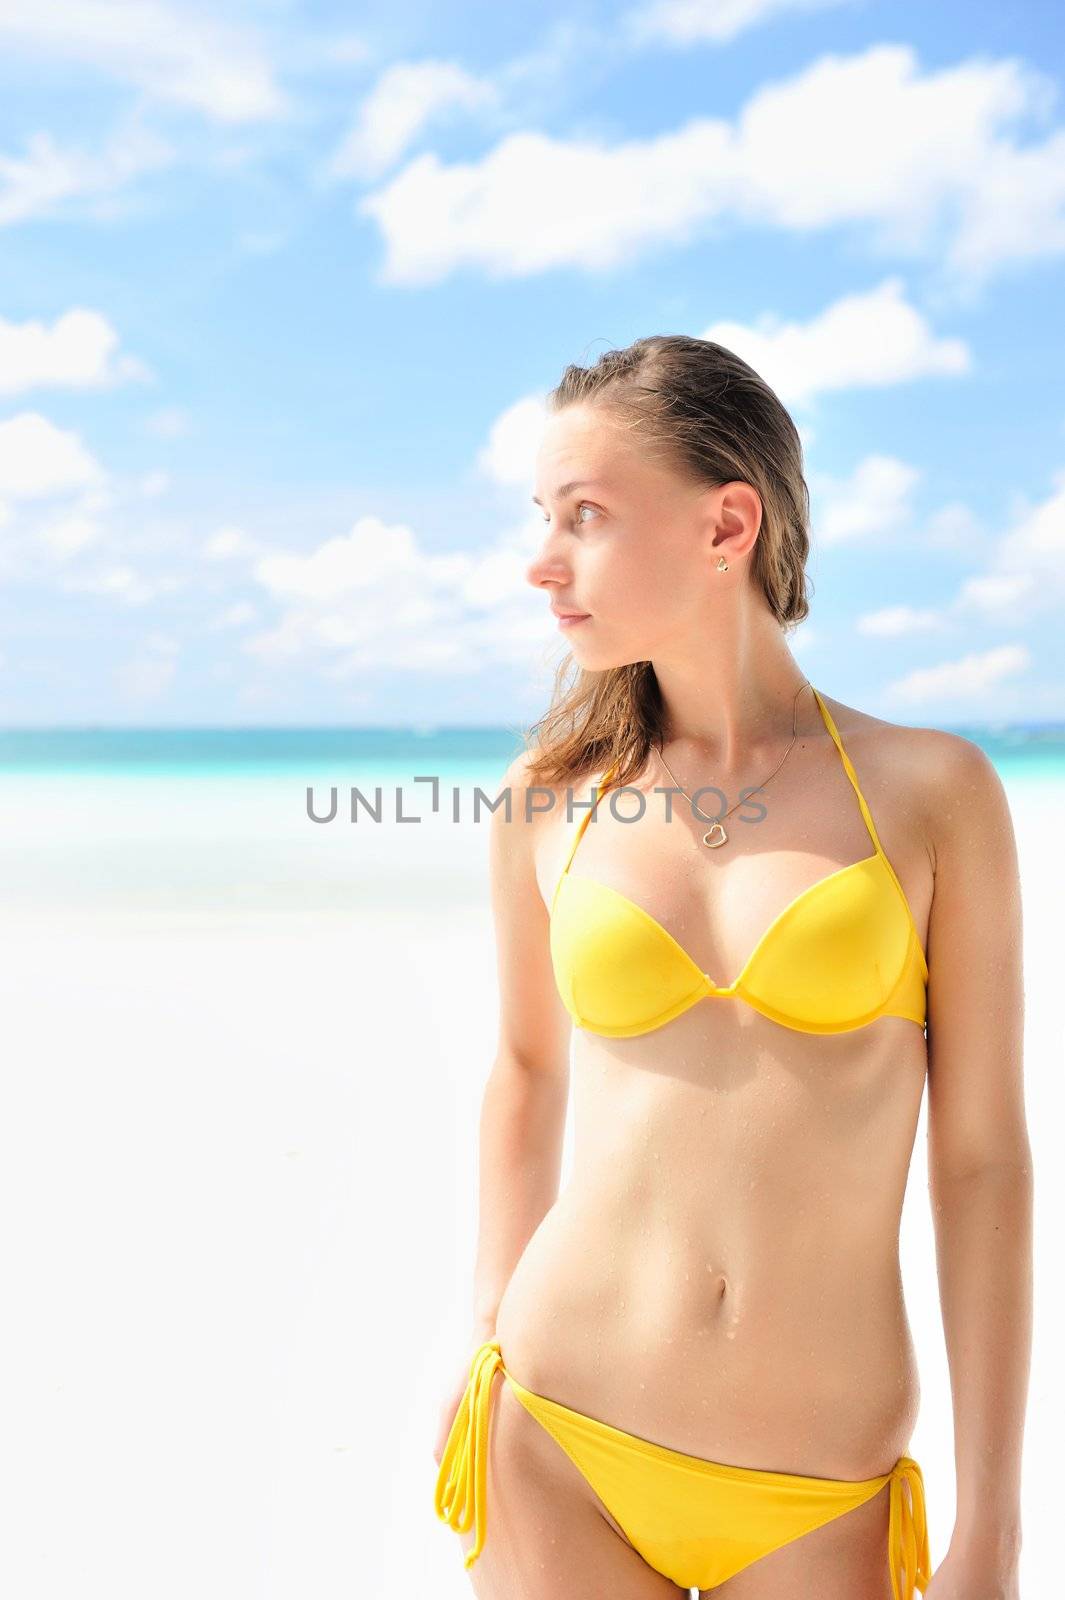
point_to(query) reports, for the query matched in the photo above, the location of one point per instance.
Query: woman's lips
(572, 622)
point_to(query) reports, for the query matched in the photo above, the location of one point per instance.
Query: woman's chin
(591, 659)
(595, 657)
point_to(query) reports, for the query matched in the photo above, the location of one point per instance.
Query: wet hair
(707, 415)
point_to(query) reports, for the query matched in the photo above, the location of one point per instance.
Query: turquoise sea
(258, 752)
(1018, 750)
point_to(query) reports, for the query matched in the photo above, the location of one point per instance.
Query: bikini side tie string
(908, 1531)
(463, 1475)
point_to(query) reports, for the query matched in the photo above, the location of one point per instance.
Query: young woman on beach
(692, 1369)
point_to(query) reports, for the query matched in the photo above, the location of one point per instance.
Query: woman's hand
(974, 1573)
(479, 1333)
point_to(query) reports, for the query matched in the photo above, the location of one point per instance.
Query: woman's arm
(979, 1158)
(523, 1112)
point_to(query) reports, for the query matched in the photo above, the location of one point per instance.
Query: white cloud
(684, 22)
(1038, 539)
(78, 351)
(497, 577)
(372, 556)
(161, 643)
(67, 535)
(38, 459)
(229, 542)
(928, 163)
(374, 599)
(51, 180)
(893, 622)
(405, 99)
(237, 615)
(995, 593)
(509, 457)
(183, 54)
(868, 339)
(153, 484)
(953, 527)
(122, 582)
(968, 678)
(1025, 573)
(874, 499)
(534, 203)
(171, 422)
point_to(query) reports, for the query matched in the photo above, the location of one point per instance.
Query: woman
(692, 1369)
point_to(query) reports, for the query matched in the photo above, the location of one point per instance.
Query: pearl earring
(722, 564)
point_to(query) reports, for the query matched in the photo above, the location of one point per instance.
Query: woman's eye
(583, 506)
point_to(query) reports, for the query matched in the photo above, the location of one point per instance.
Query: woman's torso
(720, 1272)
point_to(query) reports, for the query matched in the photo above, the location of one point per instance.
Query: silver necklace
(717, 824)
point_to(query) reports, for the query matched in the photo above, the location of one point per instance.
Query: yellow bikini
(697, 1522)
(842, 954)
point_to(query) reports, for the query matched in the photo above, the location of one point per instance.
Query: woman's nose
(546, 568)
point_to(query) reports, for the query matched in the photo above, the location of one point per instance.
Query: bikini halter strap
(591, 805)
(849, 769)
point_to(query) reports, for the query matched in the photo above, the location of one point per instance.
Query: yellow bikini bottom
(697, 1522)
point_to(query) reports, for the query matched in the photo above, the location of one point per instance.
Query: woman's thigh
(547, 1537)
(846, 1559)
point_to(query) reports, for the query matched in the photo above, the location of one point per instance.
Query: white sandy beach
(240, 1109)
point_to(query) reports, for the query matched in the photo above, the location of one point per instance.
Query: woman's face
(628, 543)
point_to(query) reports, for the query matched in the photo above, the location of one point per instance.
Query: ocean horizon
(1021, 748)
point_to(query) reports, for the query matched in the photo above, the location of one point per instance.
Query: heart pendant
(710, 841)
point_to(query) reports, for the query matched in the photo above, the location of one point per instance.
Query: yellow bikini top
(845, 952)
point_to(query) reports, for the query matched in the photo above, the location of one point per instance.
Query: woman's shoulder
(526, 802)
(937, 751)
(526, 783)
(945, 775)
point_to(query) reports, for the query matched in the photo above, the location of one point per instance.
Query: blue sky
(282, 288)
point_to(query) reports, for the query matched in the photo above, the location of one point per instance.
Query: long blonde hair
(714, 420)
